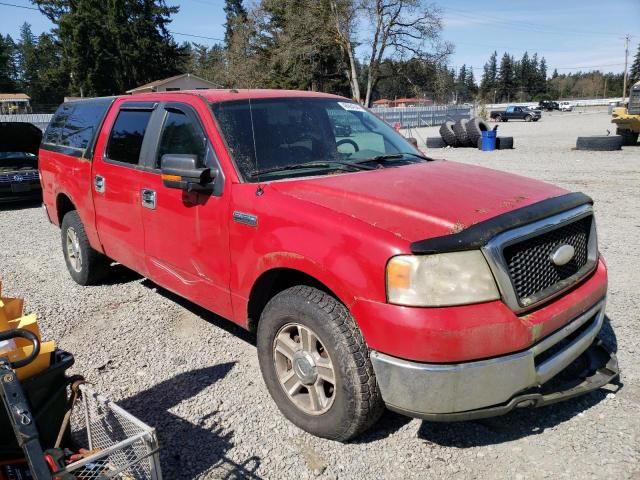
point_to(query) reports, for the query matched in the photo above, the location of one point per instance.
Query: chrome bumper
(491, 387)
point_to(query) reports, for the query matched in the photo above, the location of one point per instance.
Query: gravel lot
(195, 377)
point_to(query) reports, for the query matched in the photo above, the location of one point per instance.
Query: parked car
(516, 113)
(19, 179)
(566, 106)
(548, 105)
(369, 279)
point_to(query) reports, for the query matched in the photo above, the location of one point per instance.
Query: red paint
(340, 229)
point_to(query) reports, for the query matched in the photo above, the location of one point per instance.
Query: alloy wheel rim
(73, 250)
(304, 368)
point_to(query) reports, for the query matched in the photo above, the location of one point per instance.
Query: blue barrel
(489, 141)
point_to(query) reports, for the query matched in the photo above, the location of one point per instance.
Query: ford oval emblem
(563, 255)
(17, 178)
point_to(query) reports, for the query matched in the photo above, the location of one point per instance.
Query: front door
(186, 233)
(116, 184)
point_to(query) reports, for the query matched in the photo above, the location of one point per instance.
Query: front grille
(25, 176)
(529, 262)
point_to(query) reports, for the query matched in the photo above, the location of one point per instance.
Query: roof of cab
(220, 95)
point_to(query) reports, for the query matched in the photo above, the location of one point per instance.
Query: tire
(479, 143)
(91, 266)
(460, 129)
(629, 138)
(602, 143)
(448, 135)
(504, 143)
(498, 118)
(435, 142)
(355, 402)
(528, 118)
(475, 127)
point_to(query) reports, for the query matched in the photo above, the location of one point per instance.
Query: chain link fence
(415, 117)
(40, 120)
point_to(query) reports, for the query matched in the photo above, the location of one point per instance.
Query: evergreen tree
(26, 59)
(505, 80)
(236, 16)
(488, 83)
(635, 68)
(114, 46)
(7, 65)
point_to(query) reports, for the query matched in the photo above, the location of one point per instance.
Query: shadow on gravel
(520, 422)
(188, 450)
(119, 275)
(206, 315)
(389, 423)
(22, 205)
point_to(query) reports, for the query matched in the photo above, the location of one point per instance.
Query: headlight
(455, 278)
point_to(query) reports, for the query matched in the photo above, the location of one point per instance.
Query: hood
(421, 201)
(19, 137)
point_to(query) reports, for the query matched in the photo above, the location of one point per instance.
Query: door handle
(99, 183)
(148, 198)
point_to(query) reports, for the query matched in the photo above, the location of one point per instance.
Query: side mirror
(181, 171)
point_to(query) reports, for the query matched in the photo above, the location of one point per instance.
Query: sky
(571, 34)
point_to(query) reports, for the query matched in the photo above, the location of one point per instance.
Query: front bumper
(463, 391)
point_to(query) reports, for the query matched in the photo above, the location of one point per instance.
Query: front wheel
(316, 364)
(528, 118)
(86, 266)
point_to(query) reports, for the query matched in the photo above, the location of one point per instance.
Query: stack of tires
(465, 133)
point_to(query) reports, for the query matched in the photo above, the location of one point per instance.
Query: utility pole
(604, 93)
(626, 58)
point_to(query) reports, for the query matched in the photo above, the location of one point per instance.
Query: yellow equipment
(12, 317)
(627, 119)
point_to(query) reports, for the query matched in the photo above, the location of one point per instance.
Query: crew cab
(516, 113)
(371, 274)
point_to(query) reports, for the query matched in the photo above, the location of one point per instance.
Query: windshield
(284, 137)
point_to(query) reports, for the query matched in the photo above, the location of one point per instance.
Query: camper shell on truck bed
(369, 279)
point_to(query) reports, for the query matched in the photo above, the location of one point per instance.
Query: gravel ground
(195, 377)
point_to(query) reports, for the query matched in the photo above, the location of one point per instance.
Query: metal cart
(119, 445)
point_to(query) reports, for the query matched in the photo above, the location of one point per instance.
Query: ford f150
(371, 274)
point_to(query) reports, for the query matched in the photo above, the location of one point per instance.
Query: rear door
(116, 183)
(186, 233)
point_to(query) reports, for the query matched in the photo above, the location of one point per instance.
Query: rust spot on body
(457, 227)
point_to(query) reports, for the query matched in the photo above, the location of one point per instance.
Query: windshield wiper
(332, 164)
(391, 157)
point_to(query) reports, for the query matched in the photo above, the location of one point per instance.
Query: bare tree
(397, 28)
(344, 18)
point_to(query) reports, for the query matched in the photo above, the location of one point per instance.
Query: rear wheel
(86, 266)
(498, 118)
(316, 364)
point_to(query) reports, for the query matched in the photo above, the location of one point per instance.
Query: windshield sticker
(353, 107)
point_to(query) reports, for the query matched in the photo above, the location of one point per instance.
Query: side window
(125, 139)
(181, 135)
(81, 124)
(55, 127)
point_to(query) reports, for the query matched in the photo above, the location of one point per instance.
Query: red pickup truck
(372, 274)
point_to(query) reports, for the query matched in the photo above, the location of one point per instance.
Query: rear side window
(127, 134)
(181, 135)
(73, 128)
(80, 126)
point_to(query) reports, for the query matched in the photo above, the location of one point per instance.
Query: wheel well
(270, 284)
(63, 206)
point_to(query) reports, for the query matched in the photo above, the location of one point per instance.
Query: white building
(186, 81)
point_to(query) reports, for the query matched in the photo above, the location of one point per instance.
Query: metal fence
(414, 117)
(40, 120)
